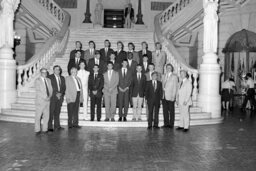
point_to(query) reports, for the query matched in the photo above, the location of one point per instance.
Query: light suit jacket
(184, 93)
(110, 87)
(41, 94)
(71, 90)
(170, 86)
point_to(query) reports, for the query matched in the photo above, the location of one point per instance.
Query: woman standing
(159, 59)
(84, 76)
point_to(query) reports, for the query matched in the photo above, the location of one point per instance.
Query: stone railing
(54, 9)
(173, 10)
(27, 73)
(174, 58)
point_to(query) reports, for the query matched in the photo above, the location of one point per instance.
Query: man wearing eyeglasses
(43, 94)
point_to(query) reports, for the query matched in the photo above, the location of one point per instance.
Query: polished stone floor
(230, 146)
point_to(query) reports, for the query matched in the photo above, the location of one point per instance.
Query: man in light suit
(170, 89)
(125, 79)
(43, 94)
(153, 94)
(184, 101)
(111, 80)
(59, 88)
(74, 96)
(89, 53)
(106, 51)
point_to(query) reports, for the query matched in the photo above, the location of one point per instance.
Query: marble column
(139, 15)
(7, 63)
(209, 98)
(87, 14)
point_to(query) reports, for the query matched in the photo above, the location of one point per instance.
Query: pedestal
(7, 78)
(209, 98)
(139, 26)
(86, 25)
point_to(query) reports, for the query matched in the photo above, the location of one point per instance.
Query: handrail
(56, 44)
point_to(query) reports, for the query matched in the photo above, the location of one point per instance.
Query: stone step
(28, 113)
(143, 124)
(31, 107)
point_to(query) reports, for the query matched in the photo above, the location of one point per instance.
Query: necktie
(139, 77)
(58, 82)
(95, 76)
(109, 75)
(154, 82)
(145, 66)
(181, 84)
(46, 87)
(106, 51)
(79, 86)
(124, 73)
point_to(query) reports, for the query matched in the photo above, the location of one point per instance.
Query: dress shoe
(112, 120)
(149, 127)
(38, 133)
(107, 119)
(92, 119)
(133, 119)
(164, 127)
(70, 127)
(185, 130)
(125, 119)
(81, 105)
(77, 126)
(139, 119)
(50, 130)
(170, 126)
(98, 120)
(120, 119)
(179, 128)
(44, 132)
(156, 127)
(60, 128)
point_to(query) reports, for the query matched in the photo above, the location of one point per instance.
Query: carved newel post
(209, 98)
(7, 63)
(87, 14)
(139, 15)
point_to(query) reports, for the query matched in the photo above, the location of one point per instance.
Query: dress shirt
(124, 71)
(250, 83)
(58, 81)
(130, 62)
(76, 80)
(97, 61)
(109, 74)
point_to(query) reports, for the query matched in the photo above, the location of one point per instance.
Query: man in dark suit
(59, 88)
(132, 64)
(137, 89)
(78, 47)
(145, 64)
(74, 62)
(116, 65)
(153, 94)
(131, 49)
(145, 51)
(125, 78)
(120, 53)
(95, 85)
(106, 51)
(98, 61)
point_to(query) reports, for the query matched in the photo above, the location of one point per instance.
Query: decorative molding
(67, 3)
(159, 6)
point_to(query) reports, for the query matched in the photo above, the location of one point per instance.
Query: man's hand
(94, 92)
(58, 95)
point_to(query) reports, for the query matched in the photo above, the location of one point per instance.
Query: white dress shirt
(76, 80)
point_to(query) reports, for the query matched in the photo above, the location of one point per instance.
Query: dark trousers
(55, 108)
(73, 109)
(153, 114)
(249, 96)
(123, 103)
(168, 112)
(96, 100)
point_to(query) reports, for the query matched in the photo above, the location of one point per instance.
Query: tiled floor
(229, 146)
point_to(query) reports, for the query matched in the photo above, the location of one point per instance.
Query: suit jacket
(138, 87)
(184, 93)
(41, 93)
(103, 54)
(102, 65)
(71, 90)
(110, 86)
(88, 56)
(136, 56)
(132, 67)
(96, 84)
(170, 86)
(55, 86)
(73, 54)
(149, 54)
(131, 13)
(72, 63)
(120, 56)
(116, 65)
(152, 96)
(144, 70)
(159, 76)
(124, 82)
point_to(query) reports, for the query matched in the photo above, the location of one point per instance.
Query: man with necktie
(90, 52)
(74, 96)
(43, 95)
(95, 85)
(106, 51)
(59, 88)
(131, 49)
(170, 89)
(78, 47)
(125, 78)
(145, 64)
(75, 62)
(145, 51)
(111, 80)
(120, 53)
(153, 94)
(97, 61)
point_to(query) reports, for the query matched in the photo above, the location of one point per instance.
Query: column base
(7, 78)
(209, 98)
(97, 26)
(139, 26)
(86, 25)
